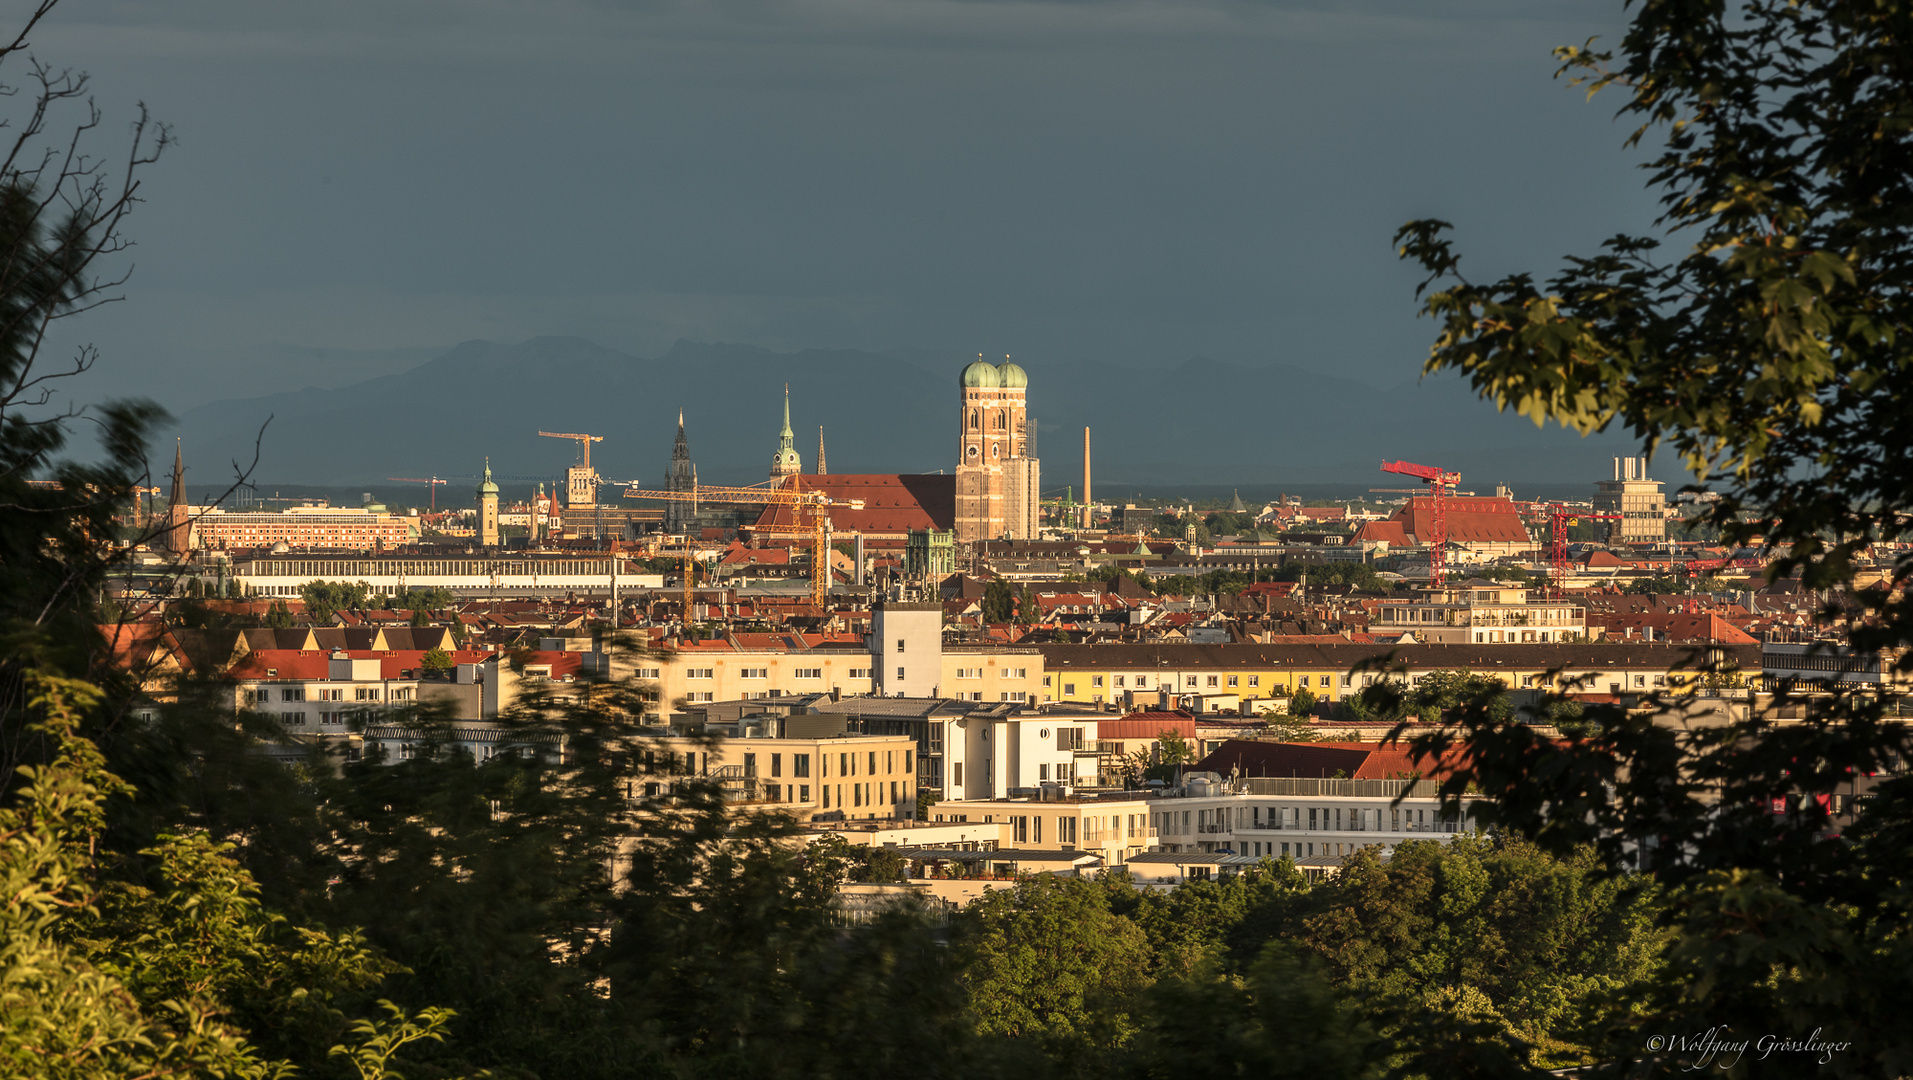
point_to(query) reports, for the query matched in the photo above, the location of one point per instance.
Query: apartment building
(321, 693)
(335, 527)
(1112, 827)
(1303, 817)
(1096, 673)
(830, 778)
(1480, 612)
(747, 666)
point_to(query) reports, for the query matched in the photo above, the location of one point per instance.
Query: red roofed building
(1326, 760)
(1669, 626)
(893, 505)
(1485, 526)
(1383, 532)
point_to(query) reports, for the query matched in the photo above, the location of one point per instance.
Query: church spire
(177, 536)
(821, 470)
(179, 473)
(786, 462)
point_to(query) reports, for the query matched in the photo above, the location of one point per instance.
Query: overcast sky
(359, 185)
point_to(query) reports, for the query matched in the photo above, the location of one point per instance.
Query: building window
(899, 674)
(754, 673)
(1095, 680)
(810, 673)
(860, 673)
(1042, 771)
(1069, 688)
(1324, 681)
(298, 694)
(1233, 681)
(969, 673)
(698, 673)
(1212, 681)
(1255, 680)
(800, 767)
(1142, 682)
(899, 644)
(700, 697)
(803, 793)
(1022, 673)
(1046, 680)
(777, 764)
(1189, 681)
(1119, 680)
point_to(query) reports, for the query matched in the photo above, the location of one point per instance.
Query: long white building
(471, 575)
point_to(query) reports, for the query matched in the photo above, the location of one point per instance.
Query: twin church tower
(995, 494)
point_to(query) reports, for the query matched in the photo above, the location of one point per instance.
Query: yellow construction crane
(584, 443)
(816, 504)
(581, 481)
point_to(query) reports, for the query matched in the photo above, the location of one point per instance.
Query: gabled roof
(316, 664)
(1389, 532)
(1469, 520)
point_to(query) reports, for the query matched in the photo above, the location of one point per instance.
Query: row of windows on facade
(849, 763)
(1028, 828)
(1065, 772)
(1322, 819)
(756, 673)
(326, 693)
(1191, 682)
(861, 795)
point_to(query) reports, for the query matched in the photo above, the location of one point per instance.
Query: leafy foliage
(1768, 349)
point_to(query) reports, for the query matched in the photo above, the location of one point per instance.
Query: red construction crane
(1560, 517)
(431, 482)
(1440, 482)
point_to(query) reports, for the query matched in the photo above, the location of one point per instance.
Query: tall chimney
(1087, 518)
(1617, 468)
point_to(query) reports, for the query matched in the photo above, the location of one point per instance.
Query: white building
(1479, 612)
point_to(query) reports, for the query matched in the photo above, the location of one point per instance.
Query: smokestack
(1617, 468)
(1087, 519)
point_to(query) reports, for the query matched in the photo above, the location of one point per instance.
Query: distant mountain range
(1194, 422)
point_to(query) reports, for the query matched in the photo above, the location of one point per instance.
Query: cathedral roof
(893, 504)
(1012, 375)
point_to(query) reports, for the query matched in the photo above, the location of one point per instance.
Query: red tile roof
(1478, 520)
(893, 503)
(312, 663)
(1148, 725)
(1390, 532)
(1355, 761)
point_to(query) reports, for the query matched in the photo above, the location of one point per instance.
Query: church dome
(980, 375)
(487, 488)
(1012, 376)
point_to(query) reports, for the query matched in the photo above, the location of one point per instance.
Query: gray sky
(359, 185)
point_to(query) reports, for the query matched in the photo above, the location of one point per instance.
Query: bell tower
(993, 463)
(786, 462)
